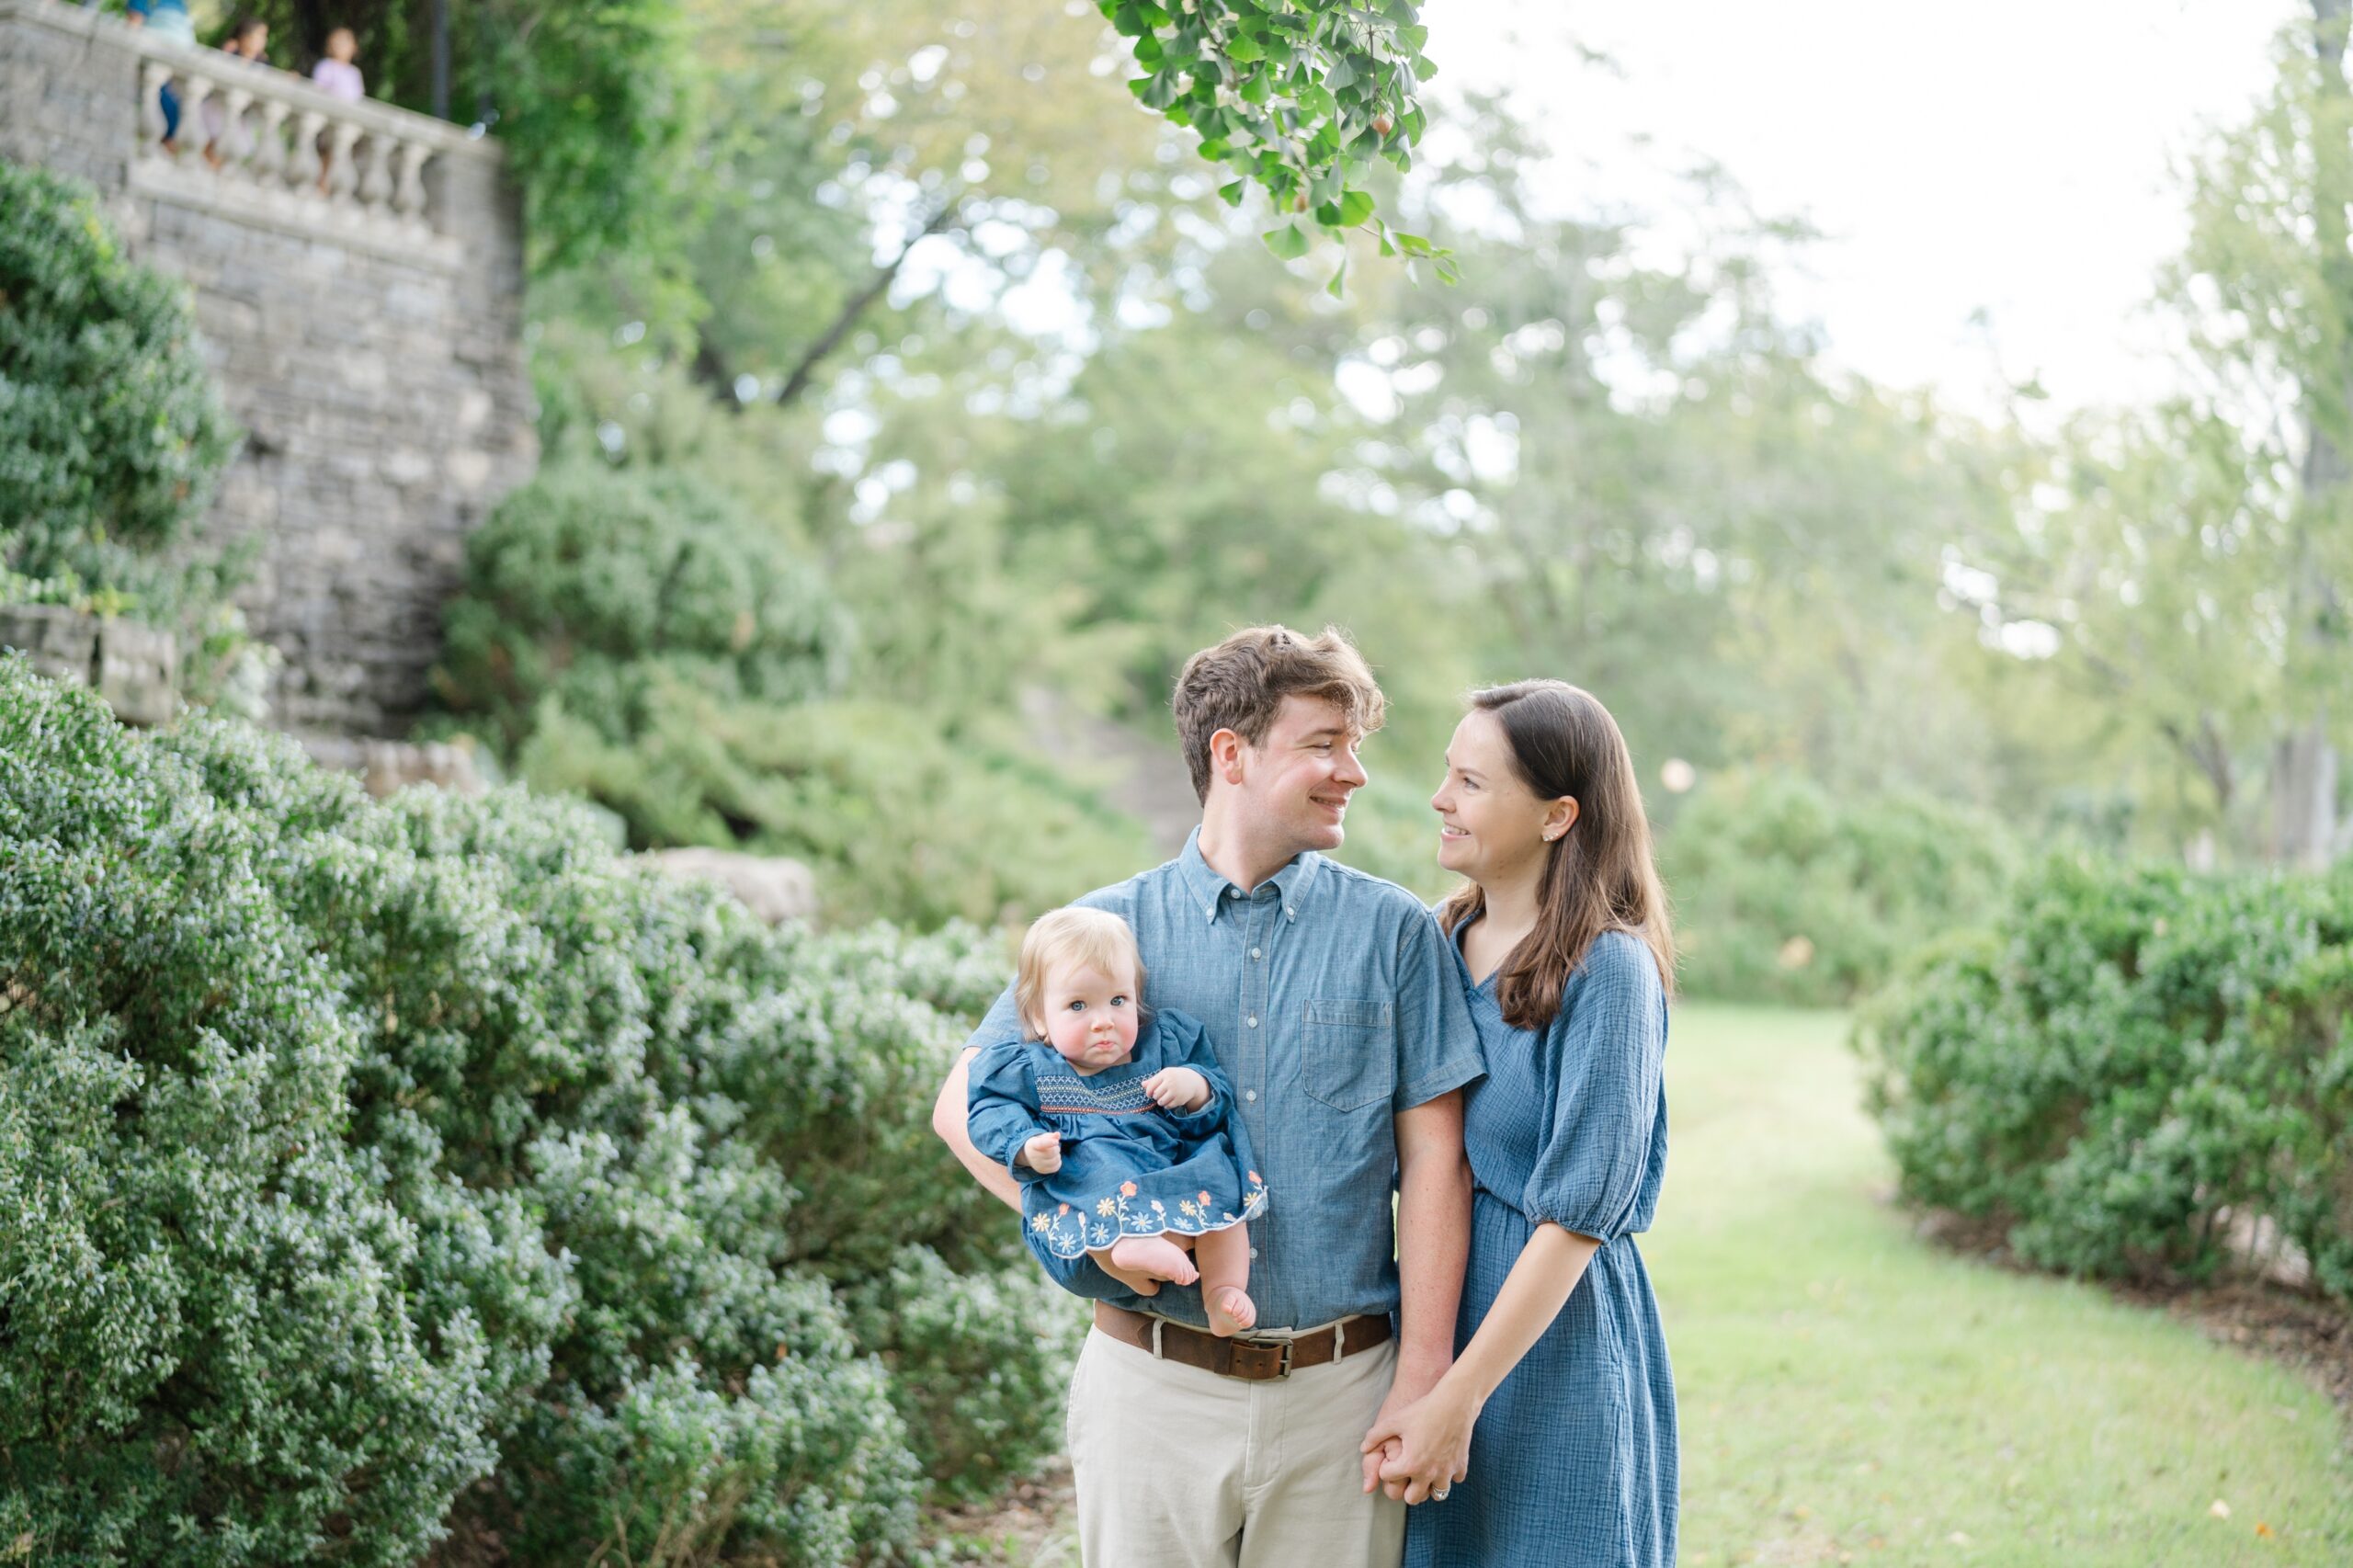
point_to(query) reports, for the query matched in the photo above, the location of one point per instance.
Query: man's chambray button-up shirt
(1333, 1004)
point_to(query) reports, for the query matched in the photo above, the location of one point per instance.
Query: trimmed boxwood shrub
(379, 1174)
(1785, 894)
(2130, 1057)
(110, 432)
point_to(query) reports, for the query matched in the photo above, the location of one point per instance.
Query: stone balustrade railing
(270, 145)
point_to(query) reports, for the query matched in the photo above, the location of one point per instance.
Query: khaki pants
(1180, 1468)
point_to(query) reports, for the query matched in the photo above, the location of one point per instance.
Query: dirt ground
(1030, 1527)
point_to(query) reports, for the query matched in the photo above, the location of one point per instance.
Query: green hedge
(1784, 893)
(2130, 1057)
(373, 1173)
(110, 434)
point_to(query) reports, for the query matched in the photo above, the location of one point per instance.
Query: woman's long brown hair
(1598, 875)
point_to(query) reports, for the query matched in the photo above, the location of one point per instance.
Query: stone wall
(367, 339)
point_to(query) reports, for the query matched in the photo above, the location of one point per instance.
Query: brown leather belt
(1254, 1360)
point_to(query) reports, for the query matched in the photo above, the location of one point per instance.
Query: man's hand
(1178, 1089)
(1381, 1456)
(1043, 1153)
(1405, 1390)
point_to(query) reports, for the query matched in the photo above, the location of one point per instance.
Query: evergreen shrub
(1783, 892)
(591, 585)
(380, 1175)
(2132, 1069)
(637, 638)
(111, 435)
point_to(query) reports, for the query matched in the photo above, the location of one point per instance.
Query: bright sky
(2015, 156)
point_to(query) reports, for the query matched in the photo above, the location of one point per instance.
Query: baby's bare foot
(1231, 1311)
(1156, 1256)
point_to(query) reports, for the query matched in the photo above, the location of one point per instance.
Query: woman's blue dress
(1573, 1461)
(1128, 1167)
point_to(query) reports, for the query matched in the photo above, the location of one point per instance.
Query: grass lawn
(1850, 1393)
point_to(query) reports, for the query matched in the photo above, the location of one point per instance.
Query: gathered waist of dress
(1479, 1191)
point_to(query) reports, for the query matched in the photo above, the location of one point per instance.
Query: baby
(1116, 1125)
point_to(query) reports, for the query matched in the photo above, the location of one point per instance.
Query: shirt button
(1249, 1094)
(1254, 952)
(1254, 1254)
(1252, 1020)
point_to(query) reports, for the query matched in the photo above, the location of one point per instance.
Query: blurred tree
(2305, 766)
(2195, 579)
(881, 126)
(1665, 498)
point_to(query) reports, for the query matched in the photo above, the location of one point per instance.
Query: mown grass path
(1852, 1393)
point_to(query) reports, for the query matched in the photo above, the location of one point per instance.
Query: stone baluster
(153, 78)
(235, 147)
(302, 167)
(195, 87)
(269, 144)
(342, 177)
(408, 190)
(375, 172)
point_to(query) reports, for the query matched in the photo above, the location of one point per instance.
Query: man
(1335, 1012)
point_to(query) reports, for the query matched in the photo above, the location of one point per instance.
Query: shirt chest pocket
(1348, 1054)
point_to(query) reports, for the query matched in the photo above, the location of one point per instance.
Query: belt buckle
(1283, 1348)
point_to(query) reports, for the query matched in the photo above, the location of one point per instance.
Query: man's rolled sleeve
(1437, 1046)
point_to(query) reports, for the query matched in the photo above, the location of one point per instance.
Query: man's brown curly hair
(1240, 684)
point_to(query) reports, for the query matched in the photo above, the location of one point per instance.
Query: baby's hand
(1177, 1089)
(1043, 1153)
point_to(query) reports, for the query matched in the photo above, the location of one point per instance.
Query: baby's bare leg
(1154, 1256)
(1224, 1257)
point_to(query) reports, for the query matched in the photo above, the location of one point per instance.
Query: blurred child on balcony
(225, 139)
(335, 75)
(164, 18)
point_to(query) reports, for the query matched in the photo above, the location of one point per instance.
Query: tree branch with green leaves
(1297, 96)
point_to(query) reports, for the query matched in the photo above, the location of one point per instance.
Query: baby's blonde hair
(1092, 936)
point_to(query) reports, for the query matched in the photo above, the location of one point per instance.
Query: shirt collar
(1208, 889)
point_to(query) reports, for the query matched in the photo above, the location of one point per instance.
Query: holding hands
(1419, 1451)
(1178, 1089)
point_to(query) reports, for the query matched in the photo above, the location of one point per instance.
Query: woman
(1560, 1407)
